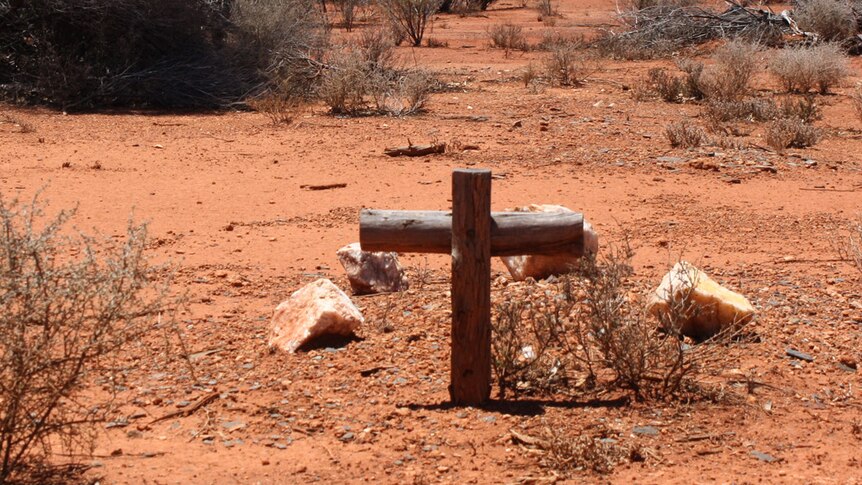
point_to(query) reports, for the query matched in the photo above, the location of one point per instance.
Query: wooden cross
(472, 234)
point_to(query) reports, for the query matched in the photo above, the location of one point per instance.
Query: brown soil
(769, 233)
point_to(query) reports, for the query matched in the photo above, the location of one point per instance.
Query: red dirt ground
(768, 233)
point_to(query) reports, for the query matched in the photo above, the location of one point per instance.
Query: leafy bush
(801, 69)
(70, 306)
(831, 20)
(81, 54)
(410, 17)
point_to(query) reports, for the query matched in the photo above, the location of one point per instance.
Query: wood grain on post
(512, 233)
(471, 287)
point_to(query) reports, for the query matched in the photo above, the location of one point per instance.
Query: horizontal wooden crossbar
(512, 233)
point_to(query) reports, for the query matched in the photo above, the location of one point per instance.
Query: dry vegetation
(72, 305)
(588, 332)
(802, 69)
(74, 309)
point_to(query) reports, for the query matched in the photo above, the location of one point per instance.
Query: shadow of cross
(472, 234)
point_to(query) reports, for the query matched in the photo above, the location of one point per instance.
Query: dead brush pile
(589, 331)
(662, 28)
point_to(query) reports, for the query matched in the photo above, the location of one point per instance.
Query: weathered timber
(415, 150)
(512, 233)
(471, 287)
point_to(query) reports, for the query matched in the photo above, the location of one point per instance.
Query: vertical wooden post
(471, 287)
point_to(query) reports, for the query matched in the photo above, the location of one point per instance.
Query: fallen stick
(189, 410)
(323, 187)
(827, 190)
(415, 150)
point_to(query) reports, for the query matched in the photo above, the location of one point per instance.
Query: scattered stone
(645, 430)
(369, 273)
(711, 307)
(764, 456)
(848, 362)
(799, 355)
(347, 436)
(120, 423)
(540, 266)
(233, 425)
(319, 308)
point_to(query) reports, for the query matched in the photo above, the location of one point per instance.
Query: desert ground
(226, 201)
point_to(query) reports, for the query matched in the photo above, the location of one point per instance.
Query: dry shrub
(647, 4)
(72, 308)
(730, 76)
(570, 65)
(720, 111)
(546, 9)
(801, 69)
(436, 43)
(348, 9)
(378, 48)
(831, 20)
(856, 99)
(359, 81)
(552, 39)
(278, 108)
(594, 451)
(200, 53)
(851, 250)
(666, 86)
(588, 330)
(531, 77)
(410, 17)
(403, 94)
(20, 125)
(508, 37)
(685, 134)
(346, 82)
(805, 109)
(791, 133)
